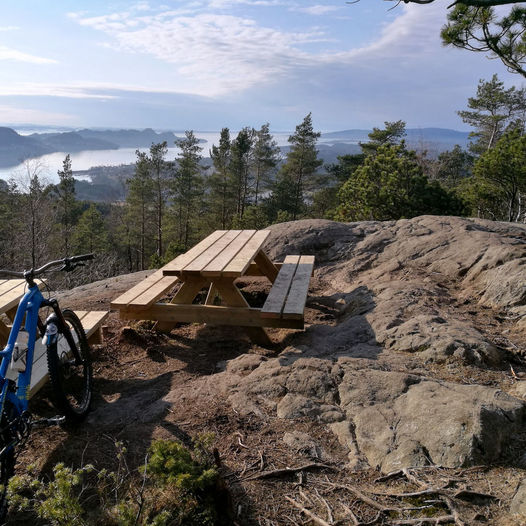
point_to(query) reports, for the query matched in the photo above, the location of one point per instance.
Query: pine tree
(91, 234)
(240, 163)
(498, 186)
(265, 159)
(392, 185)
(492, 112)
(301, 164)
(159, 168)
(187, 185)
(66, 203)
(393, 133)
(221, 183)
(140, 204)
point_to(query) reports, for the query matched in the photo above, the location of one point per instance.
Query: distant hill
(432, 139)
(130, 138)
(16, 148)
(72, 142)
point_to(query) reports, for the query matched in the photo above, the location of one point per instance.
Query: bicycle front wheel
(72, 382)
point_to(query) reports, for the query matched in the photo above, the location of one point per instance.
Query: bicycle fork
(55, 324)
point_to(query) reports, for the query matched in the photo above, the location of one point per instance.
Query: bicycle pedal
(46, 422)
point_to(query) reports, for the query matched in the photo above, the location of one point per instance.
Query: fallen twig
(240, 436)
(329, 511)
(363, 497)
(304, 510)
(287, 471)
(428, 491)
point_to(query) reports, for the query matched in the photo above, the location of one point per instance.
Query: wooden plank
(10, 284)
(245, 256)
(12, 298)
(175, 267)
(215, 267)
(278, 293)
(155, 292)
(92, 320)
(213, 251)
(213, 314)
(39, 375)
(129, 296)
(267, 267)
(12, 291)
(297, 297)
(6, 292)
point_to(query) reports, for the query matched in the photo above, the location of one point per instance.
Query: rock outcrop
(410, 296)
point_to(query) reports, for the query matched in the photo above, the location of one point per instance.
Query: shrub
(174, 487)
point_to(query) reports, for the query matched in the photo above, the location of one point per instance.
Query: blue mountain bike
(68, 361)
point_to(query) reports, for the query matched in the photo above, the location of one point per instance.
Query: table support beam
(212, 314)
(185, 295)
(266, 266)
(232, 296)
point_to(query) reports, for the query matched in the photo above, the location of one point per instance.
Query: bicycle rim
(72, 383)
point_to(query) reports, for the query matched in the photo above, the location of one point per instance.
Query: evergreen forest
(173, 203)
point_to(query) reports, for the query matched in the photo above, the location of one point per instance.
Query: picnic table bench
(215, 263)
(11, 292)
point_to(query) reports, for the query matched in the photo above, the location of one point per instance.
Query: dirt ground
(150, 385)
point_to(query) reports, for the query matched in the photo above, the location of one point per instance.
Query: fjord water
(49, 164)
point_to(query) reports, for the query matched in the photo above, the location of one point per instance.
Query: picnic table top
(226, 253)
(11, 291)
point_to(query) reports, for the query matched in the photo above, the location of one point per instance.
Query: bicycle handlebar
(67, 264)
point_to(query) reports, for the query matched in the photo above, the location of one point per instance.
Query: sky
(208, 64)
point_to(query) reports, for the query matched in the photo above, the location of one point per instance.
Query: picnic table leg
(4, 333)
(12, 313)
(266, 266)
(212, 294)
(186, 294)
(233, 298)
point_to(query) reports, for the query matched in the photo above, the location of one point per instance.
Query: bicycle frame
(28, 307)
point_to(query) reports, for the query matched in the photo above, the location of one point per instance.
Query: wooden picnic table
(215, 263)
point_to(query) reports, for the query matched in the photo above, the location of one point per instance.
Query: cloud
(7, 53)
(212, 54)
(317, 10)
(9, 28)
(226, 4)
(218, 54)
(411, 35)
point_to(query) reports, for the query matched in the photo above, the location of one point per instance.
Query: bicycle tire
(72, 384)
(7, 460)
